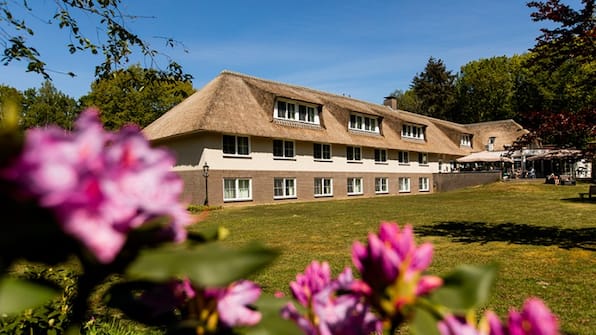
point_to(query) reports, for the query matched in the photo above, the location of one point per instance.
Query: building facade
(270, 142)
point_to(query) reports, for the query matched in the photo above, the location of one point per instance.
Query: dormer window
(286, 109)
(466, 140)
(412, 131)
(365, 123)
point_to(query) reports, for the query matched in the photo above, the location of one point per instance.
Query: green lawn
(542, 237)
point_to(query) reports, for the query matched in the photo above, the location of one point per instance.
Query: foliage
(572, 38)
(53, 316)
(485, 90)
(135, 95)
(46, 106)
(118, 46)
(434, 88)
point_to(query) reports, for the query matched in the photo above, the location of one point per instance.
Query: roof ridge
(270, 81)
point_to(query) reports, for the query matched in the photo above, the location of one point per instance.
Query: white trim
(237, 190)
(285, 188)
(353, 181)
(323, 179)
(404, 184)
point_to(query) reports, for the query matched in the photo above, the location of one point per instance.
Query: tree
(485, 90)
(116, 49)
(572, 38)
(435, 90)
(46, 106)
(134, 95)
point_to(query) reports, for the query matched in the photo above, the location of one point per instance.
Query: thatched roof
(234, 103)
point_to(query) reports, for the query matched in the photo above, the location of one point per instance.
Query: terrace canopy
(485, 157)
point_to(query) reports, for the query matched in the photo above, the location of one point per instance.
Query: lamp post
(206, 175)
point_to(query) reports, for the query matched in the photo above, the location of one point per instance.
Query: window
(403, 157)
(404, 184)
(491, 143)
(322, 151)
(466, 140)
(364, 123)
(284, 188)
(353, 154)
(412, 131)
(323, 187)
(283, 149)
(354, 186)
(380, 155)
(381, 185)
(423, 158)
(296, 111)
(235, 145)
(237, 189)
(423, 184)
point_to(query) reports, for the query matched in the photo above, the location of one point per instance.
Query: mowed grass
(541, 236)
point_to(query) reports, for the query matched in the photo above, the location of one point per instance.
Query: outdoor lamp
(206, 175)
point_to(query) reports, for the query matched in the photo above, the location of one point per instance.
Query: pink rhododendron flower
(233, 303)
(335, 306)
(99, 184)
(534, 319)
(391, 265)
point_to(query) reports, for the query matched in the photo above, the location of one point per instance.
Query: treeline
(134, 95)
(500, 88)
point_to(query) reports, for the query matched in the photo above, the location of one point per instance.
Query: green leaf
(272, 323)
(17, 295)
(207, 265)
(424, 322)
(466, 288)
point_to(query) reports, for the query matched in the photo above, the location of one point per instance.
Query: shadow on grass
(482, 232)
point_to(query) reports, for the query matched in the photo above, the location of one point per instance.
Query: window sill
(382, 192)
(237, 200)
(237, 156)
(284, 158)
(323, 160)
(404, 164)
(405, 191)
(285, 198)
(323, 195)
(354, 194)
(382, 163)
(354, 162)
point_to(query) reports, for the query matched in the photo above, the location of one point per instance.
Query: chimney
(390, 101)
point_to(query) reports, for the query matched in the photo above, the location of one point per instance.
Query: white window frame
(297, 111)
(355, 157)
(423, 158)
(365, 123)
(326, 184)
(412, 131)
(466, 140)
(403, 157)
(322, 151)
(355, 186)
(237, 192)
(404, 184)
(288, 188)
(424, 184)
(236, 146)
(381, 185)
(284, 144)
(382, 155)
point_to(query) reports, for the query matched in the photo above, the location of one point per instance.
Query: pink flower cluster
(335, 306)
(100, 185)
(392, 265)
(534, 319)
(215, 308)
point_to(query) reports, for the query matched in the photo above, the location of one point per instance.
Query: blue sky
(364, 49)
